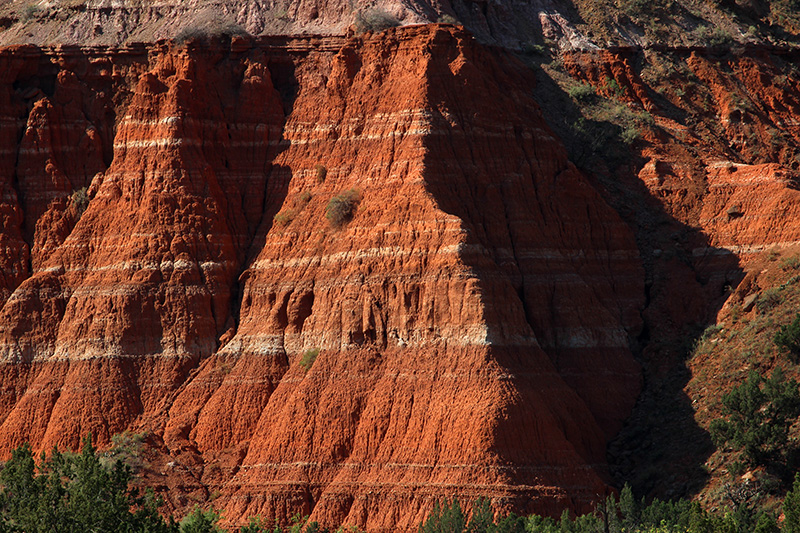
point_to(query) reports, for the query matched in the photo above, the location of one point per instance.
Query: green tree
(482, 516)
(791, 508)
(74, 493)
(629, 509)
(788, 338)
(200, 521)
(758, 415)
(448, 518)
(766, 523)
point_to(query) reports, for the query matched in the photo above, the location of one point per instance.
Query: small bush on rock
(375, 19)
(231, 30)
(769, 299)
(80, 200)
(448, 19)
(582, 92)
(285, 216)
(342, 207)
(191, 33)
(30, 12)
(309, 356)
(322, 172)
(791, 263)
(788, 338)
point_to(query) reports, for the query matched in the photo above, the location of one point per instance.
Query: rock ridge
(182, 267)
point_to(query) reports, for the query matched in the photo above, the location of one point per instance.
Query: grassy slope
(665, 449)
(742, 340)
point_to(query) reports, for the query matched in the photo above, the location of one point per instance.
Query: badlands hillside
(343, 260)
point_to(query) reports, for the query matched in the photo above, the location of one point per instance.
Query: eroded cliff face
(473, 319)
(711, 188)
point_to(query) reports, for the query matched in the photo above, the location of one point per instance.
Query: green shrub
(758, 415)
(298, 522)
(791, 508)
(448, 19)
(75, 492)
(191, 33)
(710, 332)
(582, 92)
(127, 447)
(720, 37)
(375, 19)
(630, 135)
(342, 207)
(713, 36)
(445, 518)
(766, 523)
(532, 49)
(257, 525)
(322, 172)
(768, 300)
(231, 30)
(30, 12)
(791, 262)
(635, 8)
(615, 87)
(199, 521)
(788, 338)
(283, 218)
(309, 356)
(80, 200)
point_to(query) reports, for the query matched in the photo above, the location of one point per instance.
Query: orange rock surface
(472, 320)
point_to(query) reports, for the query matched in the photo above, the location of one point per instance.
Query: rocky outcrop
(572, 25)
(465, 332)
(712, 195)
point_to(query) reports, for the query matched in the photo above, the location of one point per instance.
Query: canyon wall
(169, 268)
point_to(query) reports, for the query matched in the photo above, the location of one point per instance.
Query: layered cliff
(702, 161)
(170, 265)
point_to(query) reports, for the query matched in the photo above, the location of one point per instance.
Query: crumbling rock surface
(711, 191)
(472, 320)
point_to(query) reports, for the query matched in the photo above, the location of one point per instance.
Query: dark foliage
(758, 415)
(788, 339)
(73, 493)
(342, 207)
(375, 19)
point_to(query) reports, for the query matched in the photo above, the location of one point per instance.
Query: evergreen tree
(759, 414)
(200, 521)
(73, 493)
(629, 509)
(482, 517)
(791, 508)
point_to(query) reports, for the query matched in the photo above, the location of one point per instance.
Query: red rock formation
(611, 74)
(721, 157)
(452, 341)
(14, 251)
(141, 287)
(472, 319)
(711, 185)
